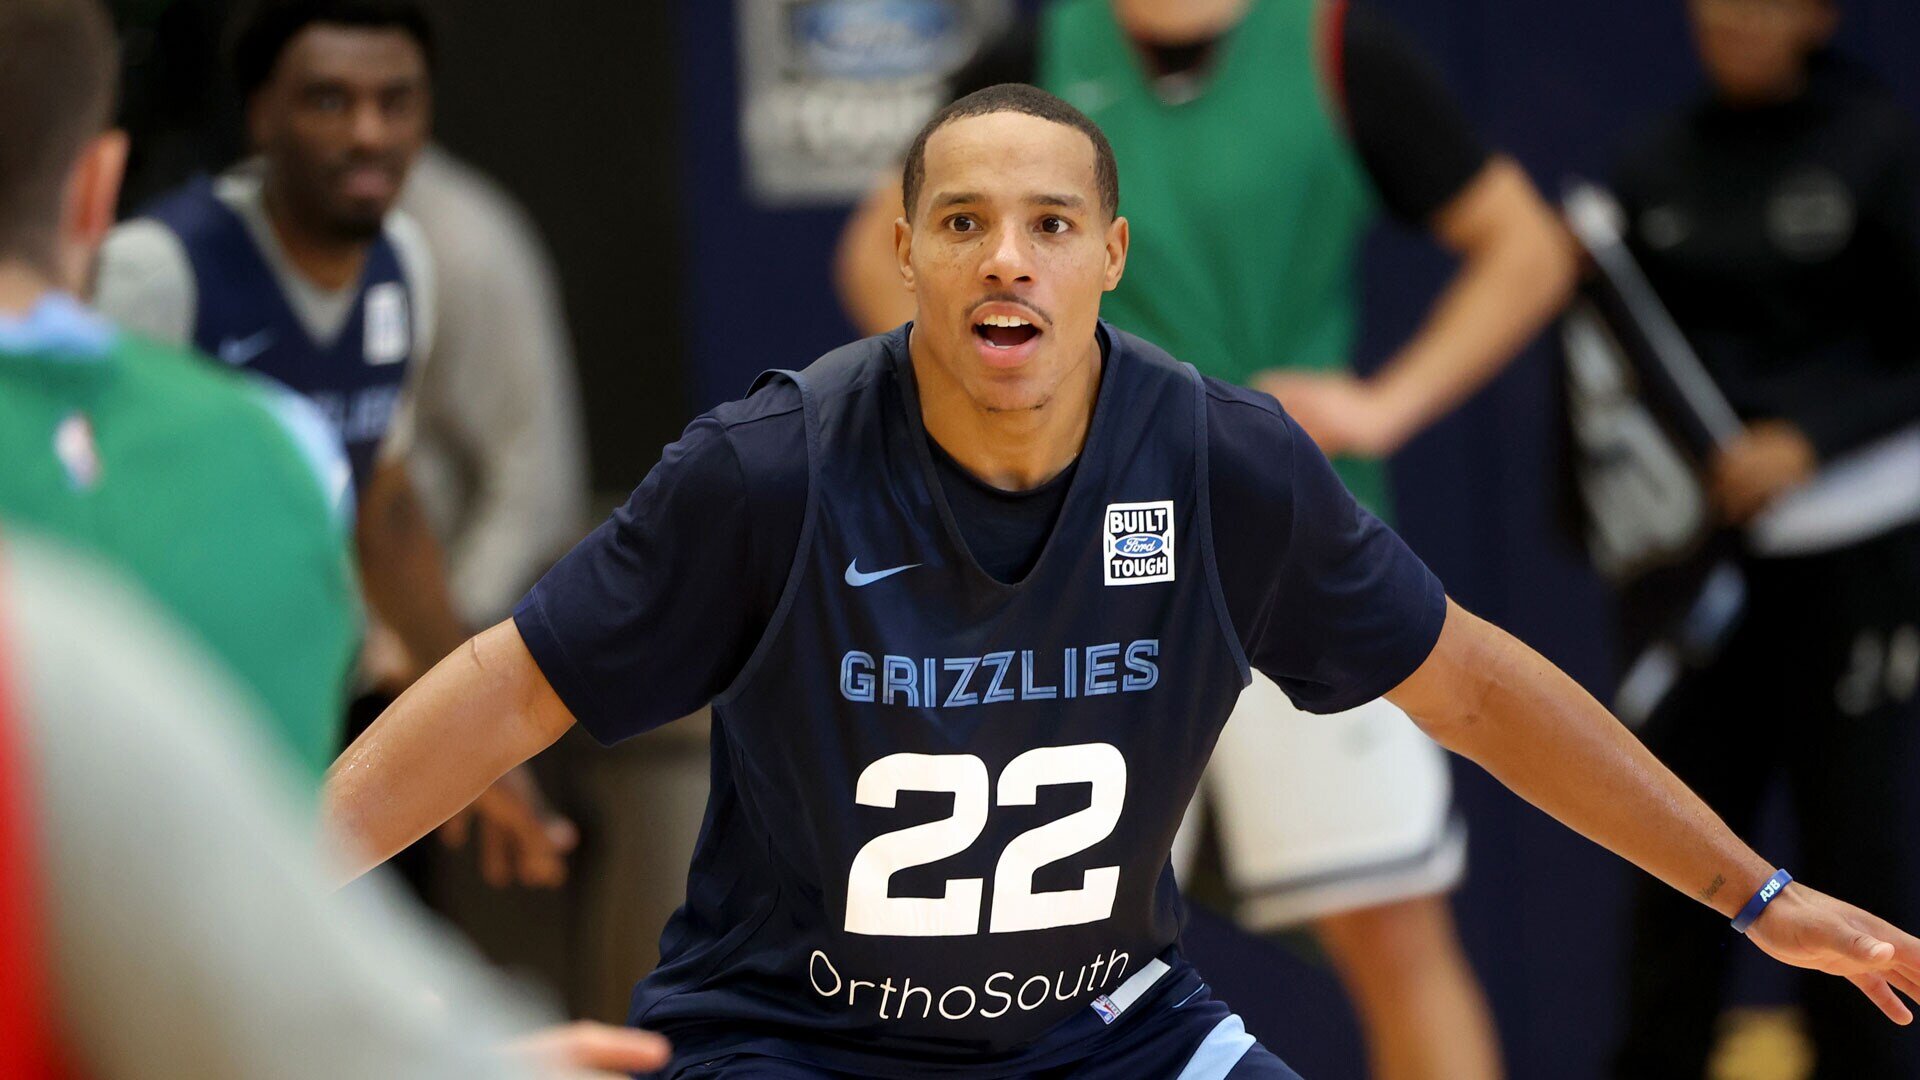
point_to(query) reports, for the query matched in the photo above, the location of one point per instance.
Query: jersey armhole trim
(809, 411)
(1204, 494)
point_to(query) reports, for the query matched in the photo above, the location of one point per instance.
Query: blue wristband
(1768, 892)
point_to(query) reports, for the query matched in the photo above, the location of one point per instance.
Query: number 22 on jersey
(1015, 905)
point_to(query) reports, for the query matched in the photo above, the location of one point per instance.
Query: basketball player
(972, 601)
(1262, 140)
(294, 266)
(180, 892)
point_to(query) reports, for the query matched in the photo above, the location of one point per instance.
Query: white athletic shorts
(1317, 815)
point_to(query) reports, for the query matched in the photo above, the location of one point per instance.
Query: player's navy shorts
(1190, 1036)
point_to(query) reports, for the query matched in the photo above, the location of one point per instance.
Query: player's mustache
(1004, 297)
(389, 162)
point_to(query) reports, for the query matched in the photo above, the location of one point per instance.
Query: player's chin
(362, 220)
(1006, 395)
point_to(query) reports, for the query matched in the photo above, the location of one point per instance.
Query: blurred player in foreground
(1261, 140)
(972, 601)
(185, 925)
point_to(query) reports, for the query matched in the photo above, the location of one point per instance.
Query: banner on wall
(833, 90)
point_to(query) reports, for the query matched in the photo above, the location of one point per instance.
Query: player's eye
(963, 223)
(397, 100)
(1054, 225)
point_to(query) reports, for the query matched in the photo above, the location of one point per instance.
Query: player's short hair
(264, 30)
(1015, 98)
(58, 72)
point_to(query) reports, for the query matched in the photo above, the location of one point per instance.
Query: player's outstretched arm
(482, 710)
(1487, 696)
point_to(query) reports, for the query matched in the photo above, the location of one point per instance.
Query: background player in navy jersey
(295, 266)
(972, 600)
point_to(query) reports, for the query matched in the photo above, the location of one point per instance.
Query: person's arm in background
(499, 454)
(401, 564)
(1517, 266)
(865, 271)
(1486, 696)
(401, 556)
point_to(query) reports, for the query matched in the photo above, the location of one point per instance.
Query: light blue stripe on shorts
(1219, 1052)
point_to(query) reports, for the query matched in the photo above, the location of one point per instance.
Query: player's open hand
(1809, 929)
(522, 840)
(586, 1049)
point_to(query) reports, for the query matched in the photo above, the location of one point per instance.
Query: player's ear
(1117, 239)
(93, 191)
(903, 250)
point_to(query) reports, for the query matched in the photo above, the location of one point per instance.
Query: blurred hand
(1810, 929)
(1768, 459)
(586, 1049)
(522, 841)
(1344, 415)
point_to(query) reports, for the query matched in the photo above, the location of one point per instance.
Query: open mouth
(1005, 331)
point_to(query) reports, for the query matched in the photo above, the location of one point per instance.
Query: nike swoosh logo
(857, 579)
(237, 351)
(1191, 996)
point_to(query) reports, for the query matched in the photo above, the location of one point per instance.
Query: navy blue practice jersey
(242, 317)
(943, 802)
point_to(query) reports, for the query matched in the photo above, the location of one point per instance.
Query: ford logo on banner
(1138, 546)
(876, 39)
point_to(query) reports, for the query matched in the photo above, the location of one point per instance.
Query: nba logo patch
(1104, 1008)
(79, 454)
(1139, 542)
(386, 335)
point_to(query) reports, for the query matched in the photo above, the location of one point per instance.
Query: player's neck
(325, 260)
(21, 287)
(1012, 451)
